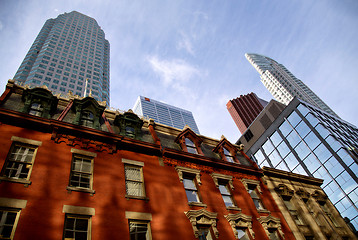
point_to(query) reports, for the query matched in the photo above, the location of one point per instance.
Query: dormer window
(36, 109)
(190, 146)
(87, 118)
(88, 112)
(129, 124)
(130, 132)
(189, 141)
(39, 102)
(228, 156)
(226, 150)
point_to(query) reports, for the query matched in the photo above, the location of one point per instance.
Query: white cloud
(174, 72)
(185, 43)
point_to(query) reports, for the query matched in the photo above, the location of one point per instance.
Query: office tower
(245, 109)
(282, 84)
(304, 139)
(164, 113)
(68, 50)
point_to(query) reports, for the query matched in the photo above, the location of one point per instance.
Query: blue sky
(190, 54)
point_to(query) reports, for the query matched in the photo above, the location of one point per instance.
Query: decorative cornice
(207, 161)
(240, 220)
(202, 217)
(272, 172)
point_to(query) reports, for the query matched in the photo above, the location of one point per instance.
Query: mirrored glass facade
(68, 50)
(165, 113)
(308, 141)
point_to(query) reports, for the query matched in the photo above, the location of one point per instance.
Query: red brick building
(72, 169)
(245, 109)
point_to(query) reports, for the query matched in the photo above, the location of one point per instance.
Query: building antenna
(85, 93)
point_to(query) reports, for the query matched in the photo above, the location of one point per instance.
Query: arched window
(130, 132)
(36, 109)
(190, 146)
(87, 118)
(228, 155)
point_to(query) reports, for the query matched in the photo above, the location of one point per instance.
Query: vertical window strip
(19, 162)
(134, 181)
(76, 227)
(81, 172)
(8, 221)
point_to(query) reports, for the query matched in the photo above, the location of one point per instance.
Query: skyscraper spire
(282, 84)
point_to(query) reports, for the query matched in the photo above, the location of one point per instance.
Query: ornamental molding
(205, 169)
(320, 197)
(285, 192)
(202, 217)
(84, 143)
(303, 194)
(240, 220)
(270, 222)
(182, 170)
(248, 182)
(217, 176)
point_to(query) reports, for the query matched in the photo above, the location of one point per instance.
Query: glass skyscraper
(68, 50)
(306, 140)
(164, 113)
(282, 84)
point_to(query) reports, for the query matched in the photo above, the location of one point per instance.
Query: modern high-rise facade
(245, 109)
(165, 113)
(282, 84)
(68, 50)
(306, 140)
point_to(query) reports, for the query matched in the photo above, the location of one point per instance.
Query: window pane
(303, 110)
(302, 129)
(283, 149)
(192, 196)
(285, 128)
(312, 140)
(275, 138)
(312, 119)
(302, 150)
(294, 119)
(293, 139)
(267, 147)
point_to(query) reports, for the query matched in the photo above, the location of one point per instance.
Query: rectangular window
(190, 188)
(81, 172)
(255, 197)
(77, 227)
(225, 193)
(293, 211)
(134, 180)
(8, 221)
(19, 162)
(139, 230)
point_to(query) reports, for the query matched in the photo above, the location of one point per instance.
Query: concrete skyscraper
(165, 113)
(282, 84)
(68, 50)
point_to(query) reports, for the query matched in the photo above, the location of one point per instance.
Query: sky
(191, 54)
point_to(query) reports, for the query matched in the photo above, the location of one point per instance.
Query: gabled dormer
(39, 102)
(189, 141)
(129, 124)
(88, 112)
(226, 150)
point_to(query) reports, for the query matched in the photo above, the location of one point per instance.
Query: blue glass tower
(68, 50)
(165, 113)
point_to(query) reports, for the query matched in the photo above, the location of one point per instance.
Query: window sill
(233, 208)
(16, 180)
(76, 189)
(198, 204)
(136, 197)
(263, 211)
